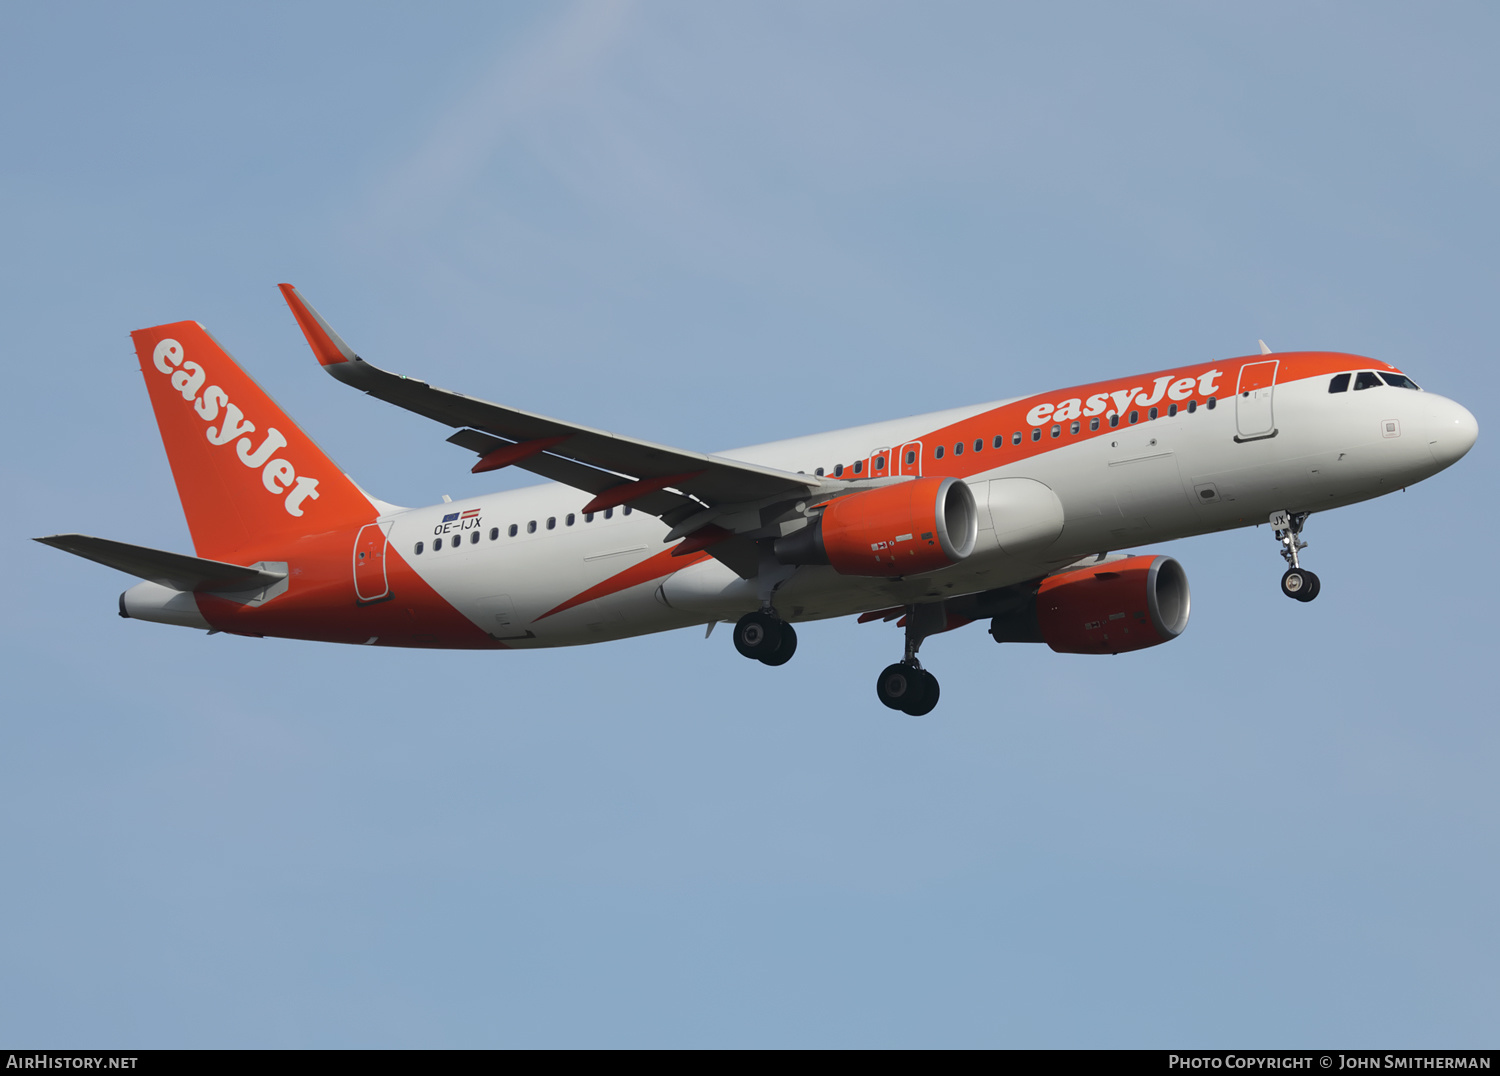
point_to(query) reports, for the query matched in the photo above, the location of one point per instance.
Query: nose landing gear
(1296, 582)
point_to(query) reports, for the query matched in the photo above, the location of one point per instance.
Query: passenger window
(880, 463)
(437, 543)
(819, 472)
(1036, 435)
(1399, 381)
(1135, 416)
(978, 444)
(1114, 420)
(1172, 411)
(494, 533)
(911, 458)
(1366, 379)
(1094, 423)
(838, 470)
(1152, 414)
(958, 449)
(418, 550)
(1192, 406)
(999, 440)
(627, 510)
(937, 453)
(531, 527)
(859, 466)
(473, 537)
(1056, 430)
(513, 530)
(1340, 383)
(1015, 438)
(1213, 402)
(571, 519)
(609, 513)
(588, 517)
(1075, 427)
(552, 523)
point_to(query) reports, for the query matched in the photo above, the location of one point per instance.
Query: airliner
(1013, 512)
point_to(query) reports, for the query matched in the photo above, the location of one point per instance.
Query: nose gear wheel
(1300, 583)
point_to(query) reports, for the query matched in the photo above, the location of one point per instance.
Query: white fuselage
(1152, 481)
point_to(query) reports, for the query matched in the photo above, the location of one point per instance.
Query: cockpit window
(1399, 381)
(1365, 379)
(1340, 383)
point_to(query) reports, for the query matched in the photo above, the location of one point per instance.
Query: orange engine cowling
(1109, 608)
(903, 529)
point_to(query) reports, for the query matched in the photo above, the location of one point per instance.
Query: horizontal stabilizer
(158, 566)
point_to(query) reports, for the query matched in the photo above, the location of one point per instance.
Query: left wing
(690, 491)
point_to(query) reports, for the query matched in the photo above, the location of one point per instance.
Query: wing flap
(578, 475)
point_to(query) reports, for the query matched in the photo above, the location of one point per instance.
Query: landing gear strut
(906, 686)
(1297, 582)
(765, 637)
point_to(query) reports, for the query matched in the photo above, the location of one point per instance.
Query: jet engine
(902, 529)
(1109, 608)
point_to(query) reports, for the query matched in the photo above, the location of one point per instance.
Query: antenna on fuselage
(1263, 349)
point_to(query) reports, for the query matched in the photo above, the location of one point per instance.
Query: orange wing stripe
(700, 539)
(618, 495)
(508, 454)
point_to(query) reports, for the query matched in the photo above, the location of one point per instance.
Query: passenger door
(1253, 416)
(370, 583)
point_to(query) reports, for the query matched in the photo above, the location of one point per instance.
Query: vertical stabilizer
(250, 480)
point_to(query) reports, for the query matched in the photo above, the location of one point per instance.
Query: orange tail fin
(250, 480)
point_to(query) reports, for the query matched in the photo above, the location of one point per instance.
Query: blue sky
(712, 225)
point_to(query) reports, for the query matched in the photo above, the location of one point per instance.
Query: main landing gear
(906, 686)
(765, 637)
(1297, 582)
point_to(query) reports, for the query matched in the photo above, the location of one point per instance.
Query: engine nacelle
(1109, 608)
(903, 529)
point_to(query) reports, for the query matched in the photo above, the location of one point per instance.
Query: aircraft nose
(1453, 433)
